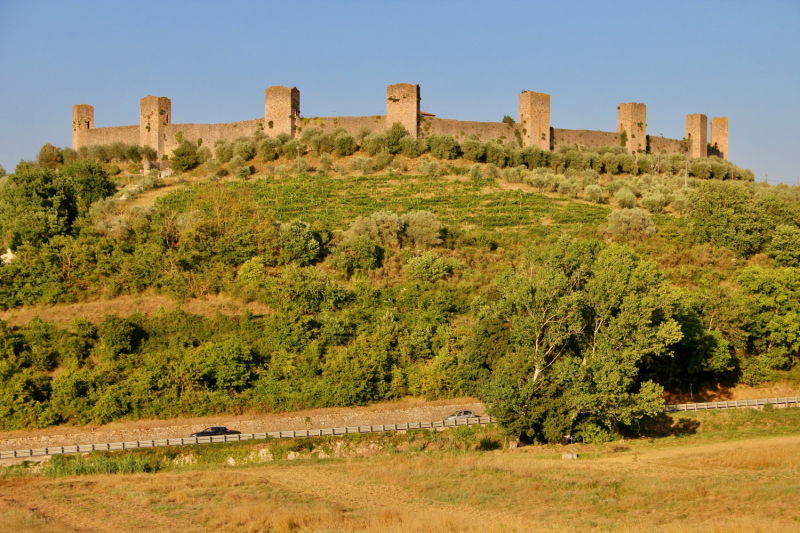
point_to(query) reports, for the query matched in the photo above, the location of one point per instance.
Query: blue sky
(471, 59)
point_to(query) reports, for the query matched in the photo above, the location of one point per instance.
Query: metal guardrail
(184, 441)
(734, 404)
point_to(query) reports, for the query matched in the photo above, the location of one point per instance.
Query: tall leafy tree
(35, 205)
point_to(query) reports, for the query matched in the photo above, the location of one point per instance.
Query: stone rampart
(207, 134)
(662, 145)
(584, 138)
(461, 129)
(351, 125)
(126, 134)
(282, 115)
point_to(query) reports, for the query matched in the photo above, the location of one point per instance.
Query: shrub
(242, 172)
(203, 154)
(384, 227)
(244, 148)
(569, 187)
(184, 157)
(292, 149)
(654, 202)
(374, 143)
(593, 193)
(393, 139)
(363, 164)
(492, 172)
(298, 243)
(299, 165)
(411, 147)
(340, 169)
(495, 154)
(475, 172)
(99, 152)
(631, 223)
(428, 167)
(625, 198)
(359, 253)
(345, 144)
(785, 246)
(509, 120)
(443, 146)
(223, 151)
(283, 138)
(423, 228)
(514, 175)
(236, 162)
(324, 162)
(427, 267)
(148, 153)
(132, 153)
(473, 149)
(49, 156)
(68, 155)
(382, 160)
(268, 149)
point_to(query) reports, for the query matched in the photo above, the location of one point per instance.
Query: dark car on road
(213, 431)
(461, 414)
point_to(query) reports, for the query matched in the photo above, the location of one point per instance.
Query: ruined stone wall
(126, 134)
(534, 119)
(697, 134)
(281, 109)
(719, 136)
(632, 119)
(402, 105)
(460, 129)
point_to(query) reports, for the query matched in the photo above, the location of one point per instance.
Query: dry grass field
(697, 484)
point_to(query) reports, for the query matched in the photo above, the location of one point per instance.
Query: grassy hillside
(457, 480)
(397, 274)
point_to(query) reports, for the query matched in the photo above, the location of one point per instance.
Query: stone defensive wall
(282, 115)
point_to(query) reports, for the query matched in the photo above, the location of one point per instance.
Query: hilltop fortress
(282, 115)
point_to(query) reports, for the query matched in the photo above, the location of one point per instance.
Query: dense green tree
(184, 157)
(724, 213)
(299, 245)
(36, 205)
(91, 182)
(394, 138)
(774, 300)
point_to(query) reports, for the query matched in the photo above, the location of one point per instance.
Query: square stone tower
(632, 119)
(719, 135)
(534, 118)
(154, 113)
(697, 135)
(82, 122)
(402, 105)
(281, 110)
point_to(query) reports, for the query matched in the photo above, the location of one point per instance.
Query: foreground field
(741, 475)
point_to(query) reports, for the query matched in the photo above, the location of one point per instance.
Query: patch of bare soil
(146, 304)
(721, 393)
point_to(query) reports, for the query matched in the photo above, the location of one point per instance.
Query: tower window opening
(87, 125)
